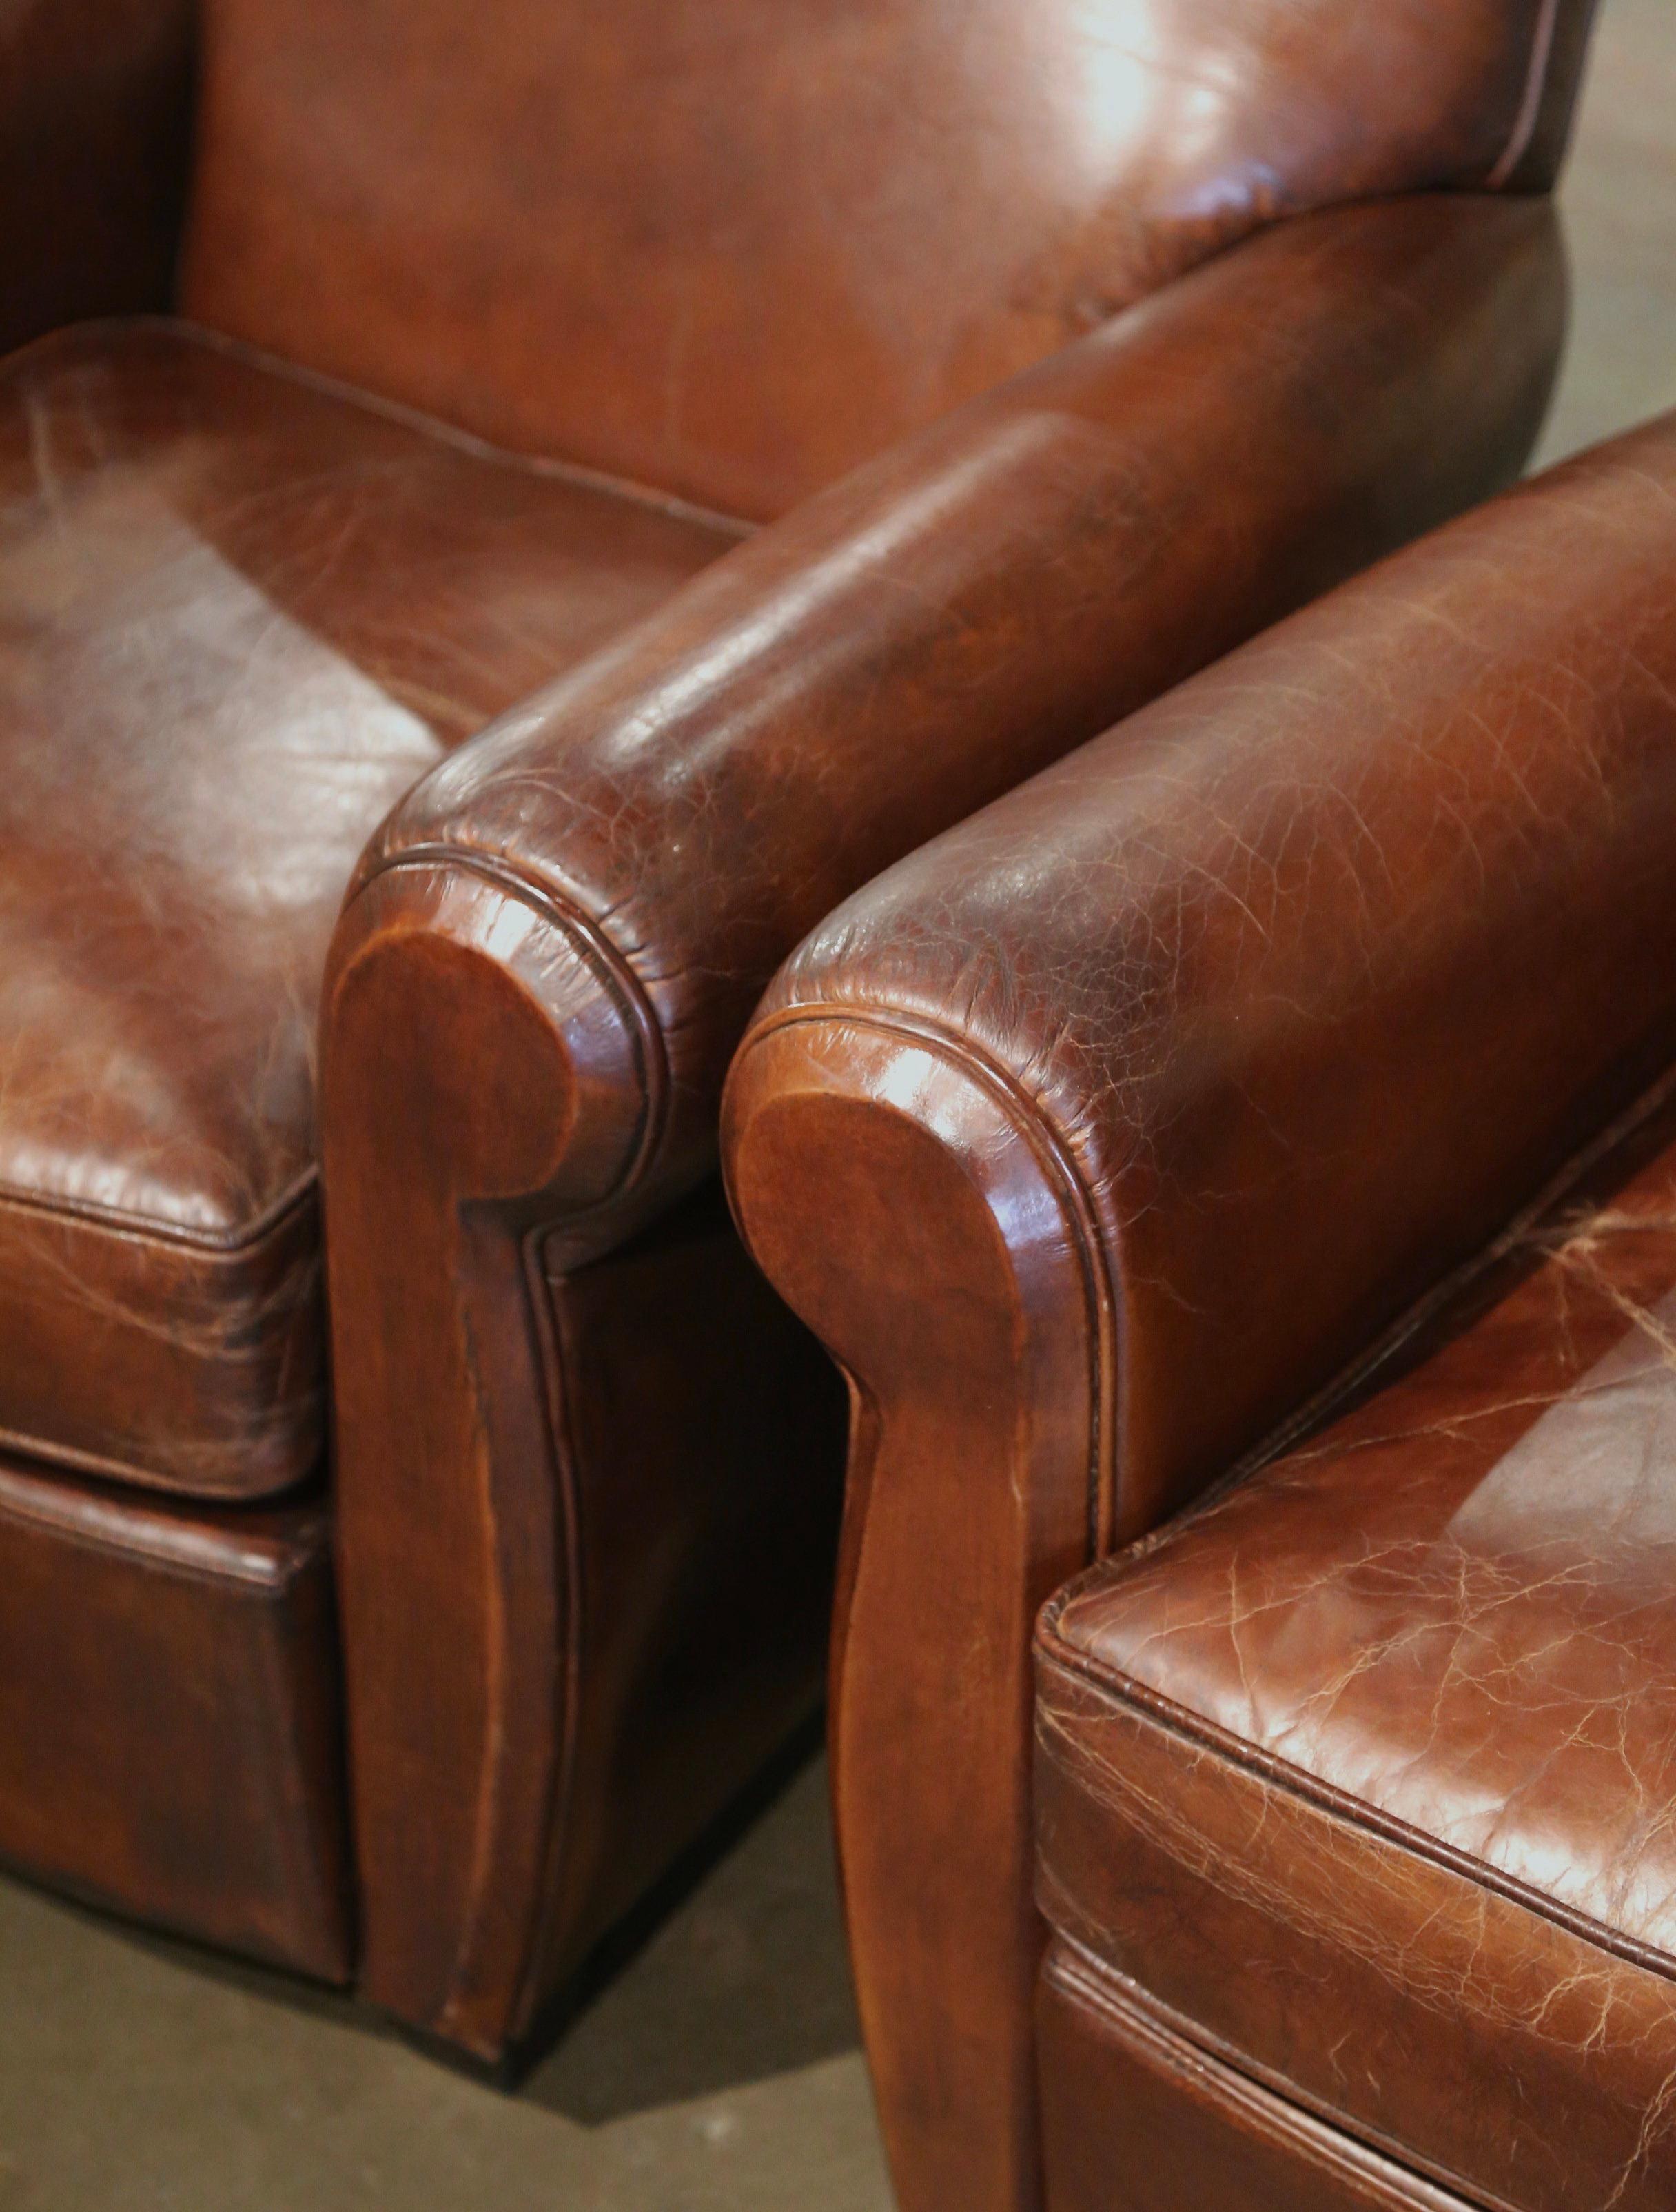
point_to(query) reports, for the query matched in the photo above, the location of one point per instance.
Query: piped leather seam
(436, 429)
(562, 908)
(1193, 1728)
(612, 972)
(146, 1229)
(1088, 1979)
(130, 1475)
(1045, 1141)
(273, 1581)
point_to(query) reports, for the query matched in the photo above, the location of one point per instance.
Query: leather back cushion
(729, 248)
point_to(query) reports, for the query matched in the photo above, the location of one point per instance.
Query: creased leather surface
(950, 618)
(239, 617)
(733, 249)
(1392, 1727)
(1137, 2117)
(1394, 882)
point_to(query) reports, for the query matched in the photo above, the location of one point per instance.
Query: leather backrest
(729, 247)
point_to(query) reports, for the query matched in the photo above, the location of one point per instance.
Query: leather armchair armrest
(1096, 1136)
(555, 943)
(95, 132)
(942, 624)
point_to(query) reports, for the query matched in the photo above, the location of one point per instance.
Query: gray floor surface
(720, 2071)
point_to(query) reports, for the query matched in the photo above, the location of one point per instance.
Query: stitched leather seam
(132, 1475)
(432, 428)
(1203, 1735)
(1041, 1136)
(154, 1551)
(558, 1364)
(146, 1229)
(611, 969)
(611, 972)
(1140, 2016)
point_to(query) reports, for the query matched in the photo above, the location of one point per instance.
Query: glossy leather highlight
(575, 230)
(1089, 1085)
(991, 594)
(732, 251)
(240, 615)
(1392, 1726)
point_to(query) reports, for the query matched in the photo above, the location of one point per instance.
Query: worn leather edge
(437, 427)
(1037, 1130)
(1057, 1653)
(58, 1512)
(1265, 2103)
(235, 1246)
(611, 969)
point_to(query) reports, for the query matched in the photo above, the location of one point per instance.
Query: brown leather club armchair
(1131, 1113)
(1156, 317)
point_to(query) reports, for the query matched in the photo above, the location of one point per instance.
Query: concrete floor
(720, 2071)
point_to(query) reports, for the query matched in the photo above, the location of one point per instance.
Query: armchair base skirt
(1137, 2118)
(169, 1730)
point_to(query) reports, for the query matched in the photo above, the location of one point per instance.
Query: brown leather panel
(1098, 527)
(94, 144)
(734, 249)
(704, 1453)
(1393, 1727)
(690, 1482)
(1136, 2119)
(240, 615)
(997, 590)
(892, 1196)
(1392, 883)
(168, 1716)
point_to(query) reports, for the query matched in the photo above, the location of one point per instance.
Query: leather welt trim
(148, 1228)
(1206, 1736)
(1254, 2096)
(1059, 1168)
(562, 908)
(156, 1543)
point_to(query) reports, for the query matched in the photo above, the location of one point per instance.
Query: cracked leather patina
(1392, 1730)
(310, 600)
(1058, 345)
(734, 249)
(1095, 1137)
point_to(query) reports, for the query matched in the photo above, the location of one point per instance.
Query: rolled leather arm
(1096, 1136)
(554, 946)
(93, 146)
(946, 621)
(1309, 973)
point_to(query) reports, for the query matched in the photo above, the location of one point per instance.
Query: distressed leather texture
(240, 615)
(1095, 1139)
(1287, 918)
(1253, 291)
(1364, 1772)
(1135, 2114)
(995, 590)
(734, 249)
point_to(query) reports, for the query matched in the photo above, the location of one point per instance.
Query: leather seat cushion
(1366, 1774)
(240, 613)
